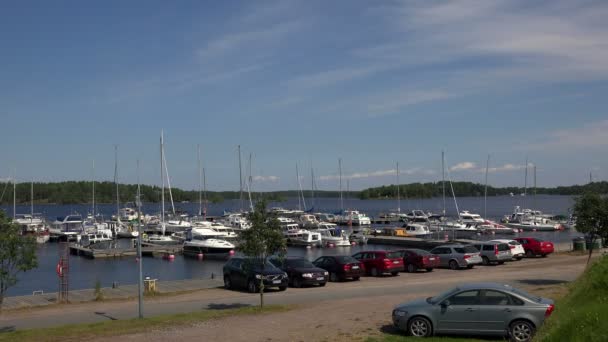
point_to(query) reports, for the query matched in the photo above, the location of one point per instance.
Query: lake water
(85, 272)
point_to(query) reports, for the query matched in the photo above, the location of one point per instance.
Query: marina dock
(146, 250)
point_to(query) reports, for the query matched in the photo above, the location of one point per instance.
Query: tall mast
(250, 184)
(398, 195)
(140, 283)
(240, 180)
(162, 189)
(15, 196)
(169, 183)
(116, 182)
(340, 171)
(312, 186)
(205, 194)
(443, 178)
(534, 198)
(299, 197)
(200, 176)
(453, 194)
(32, 197)
(526, 182)
(93, 181)
(485, 190)
(300, 185)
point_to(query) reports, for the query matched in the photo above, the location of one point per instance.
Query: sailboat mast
(398, 194)
(453, 194)
(299, 197)
(312, 186)
(140, 283)
(240, 180)
(200, 176)
(485, 190)
(301, 194)
(93, 199)
(340, 171)
(162, 189)
(443, 178)
(205, 193)
(250, 184)
(116, 181)
(14, 197)
(526, 182)
(534, 187)
(32, 197)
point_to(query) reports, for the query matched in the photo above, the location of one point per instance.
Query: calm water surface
(85, 272)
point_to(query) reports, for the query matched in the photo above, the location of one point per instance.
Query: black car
(341, 267)
(247, 273)
(301, 271)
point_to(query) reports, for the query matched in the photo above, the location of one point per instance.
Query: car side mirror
(445, 303)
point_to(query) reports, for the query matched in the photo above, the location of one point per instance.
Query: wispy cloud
(271, 179)
(378, 173)
(463, 166)
(586, 136)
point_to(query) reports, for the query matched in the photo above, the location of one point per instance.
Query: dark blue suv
(248, 273)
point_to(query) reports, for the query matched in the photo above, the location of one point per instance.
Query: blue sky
(371, 82)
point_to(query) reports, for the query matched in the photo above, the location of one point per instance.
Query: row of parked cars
(297, 272)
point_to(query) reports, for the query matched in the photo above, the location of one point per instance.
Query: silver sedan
(475, 309)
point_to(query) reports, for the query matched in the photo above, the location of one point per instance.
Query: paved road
(528, 272)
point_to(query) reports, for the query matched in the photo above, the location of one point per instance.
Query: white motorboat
(355, 218)
(88, 239)
(416, 214)
(335, 237)
(305, 238)
(531, 220)
(417, 230)
(325, 217)
(207, 246)
(237, 221)
(126, 231)
(309, 221)
(470, 218)
(67, 227)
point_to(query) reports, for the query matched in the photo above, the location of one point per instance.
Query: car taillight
(495, 249)
(347, 267)
(512, 246)
(466, 256)
(549, 310)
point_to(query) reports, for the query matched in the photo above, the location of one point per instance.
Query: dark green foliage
(17, 254)
(591, 212)
(428, 190)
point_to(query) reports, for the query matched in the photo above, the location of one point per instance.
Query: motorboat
(33, 225)
(305, 238)
(309, 221)
(417, 230)
(126, 231)
(326, 217)
(531, 220)
(357, 236)
(470, 218)
(207, 246)
(355, 218)
(416, 214)
(336, 237)
(391, 216)
(88, 239)
(67, 227)
(237, 221)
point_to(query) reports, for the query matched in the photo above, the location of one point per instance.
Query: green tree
(17, 254)
(262, 240)
(591, 212)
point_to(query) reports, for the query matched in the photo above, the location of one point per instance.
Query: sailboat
(31, 224)
(161, 239)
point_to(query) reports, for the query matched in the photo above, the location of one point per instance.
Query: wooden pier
(147, 249)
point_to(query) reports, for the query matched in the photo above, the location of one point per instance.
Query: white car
(516, 248)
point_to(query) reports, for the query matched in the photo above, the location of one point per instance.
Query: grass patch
(83, 332)
(395, 338)
(581, 315)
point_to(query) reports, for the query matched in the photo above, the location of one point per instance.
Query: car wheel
(470, 266)
(430, 269)
(544, 255)
(333, 277)
(529, 254)
(501, 262)
(252, 287)
(521, 331)
(282, 288)
(411, 268)
(322, 284)
(394, 274)
(297, 282)
(454, 265)
(374, 272)
(519, 258)
(485, 260)
(356, 278)
(419, 327)
(227, 283)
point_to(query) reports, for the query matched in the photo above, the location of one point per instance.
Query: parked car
(517, 250)
(247, 273)
(457, 256)
(340, 267)
(475, 309)
(534, 246)
(300, 271)
(415, 259)
(493, 252)
(381, 262)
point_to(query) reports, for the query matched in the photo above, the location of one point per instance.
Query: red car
(415, 259)
(380, 262)
(535, 247)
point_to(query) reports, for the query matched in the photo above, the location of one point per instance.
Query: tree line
(428, 190)
(81, 192)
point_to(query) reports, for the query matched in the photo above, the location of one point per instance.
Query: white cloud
(378, 173)
(505, 168)
(586, 136)
(271, 179)
(463, 166)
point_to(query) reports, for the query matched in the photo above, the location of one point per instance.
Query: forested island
(79, 192)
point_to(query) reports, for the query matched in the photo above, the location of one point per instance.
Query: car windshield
(303, 263)
(439, 297)
(526, 295)
(345, 259)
